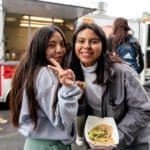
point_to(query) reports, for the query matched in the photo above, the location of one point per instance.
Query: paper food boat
(93, 121)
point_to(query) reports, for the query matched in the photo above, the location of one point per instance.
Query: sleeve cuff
(66, 91)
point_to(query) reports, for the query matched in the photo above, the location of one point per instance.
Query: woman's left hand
(66, 77)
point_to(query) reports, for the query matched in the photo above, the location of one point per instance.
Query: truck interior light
(31, 25)
(37, 18)
(43, 19)
(35, 22)
(55, 20)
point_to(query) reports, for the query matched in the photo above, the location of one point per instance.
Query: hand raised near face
(66, 77)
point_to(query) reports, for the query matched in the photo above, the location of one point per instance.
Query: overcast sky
(123, 8)
(128, 8)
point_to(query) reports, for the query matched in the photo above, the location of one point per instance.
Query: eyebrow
(95, 38)
(55, 41)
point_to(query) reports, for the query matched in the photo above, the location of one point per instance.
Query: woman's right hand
(66, 77)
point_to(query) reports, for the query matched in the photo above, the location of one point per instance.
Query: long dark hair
(121, 29)
(104, 61)
(24, 77)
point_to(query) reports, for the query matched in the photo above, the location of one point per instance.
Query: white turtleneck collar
(89, 69)
(93, 91)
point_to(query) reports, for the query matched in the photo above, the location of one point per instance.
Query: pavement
(10, 138)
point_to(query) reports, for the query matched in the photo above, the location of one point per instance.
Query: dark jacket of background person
(126, 45)
(123, 96)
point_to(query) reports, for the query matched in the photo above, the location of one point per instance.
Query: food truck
(6, 72)
(19, 20)
(18, 25)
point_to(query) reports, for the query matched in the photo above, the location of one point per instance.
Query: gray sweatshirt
(57, 110)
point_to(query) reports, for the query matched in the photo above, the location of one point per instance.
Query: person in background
(44, 98)
(123, 43)
(112, 88)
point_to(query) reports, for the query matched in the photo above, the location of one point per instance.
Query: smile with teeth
(86, 54)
